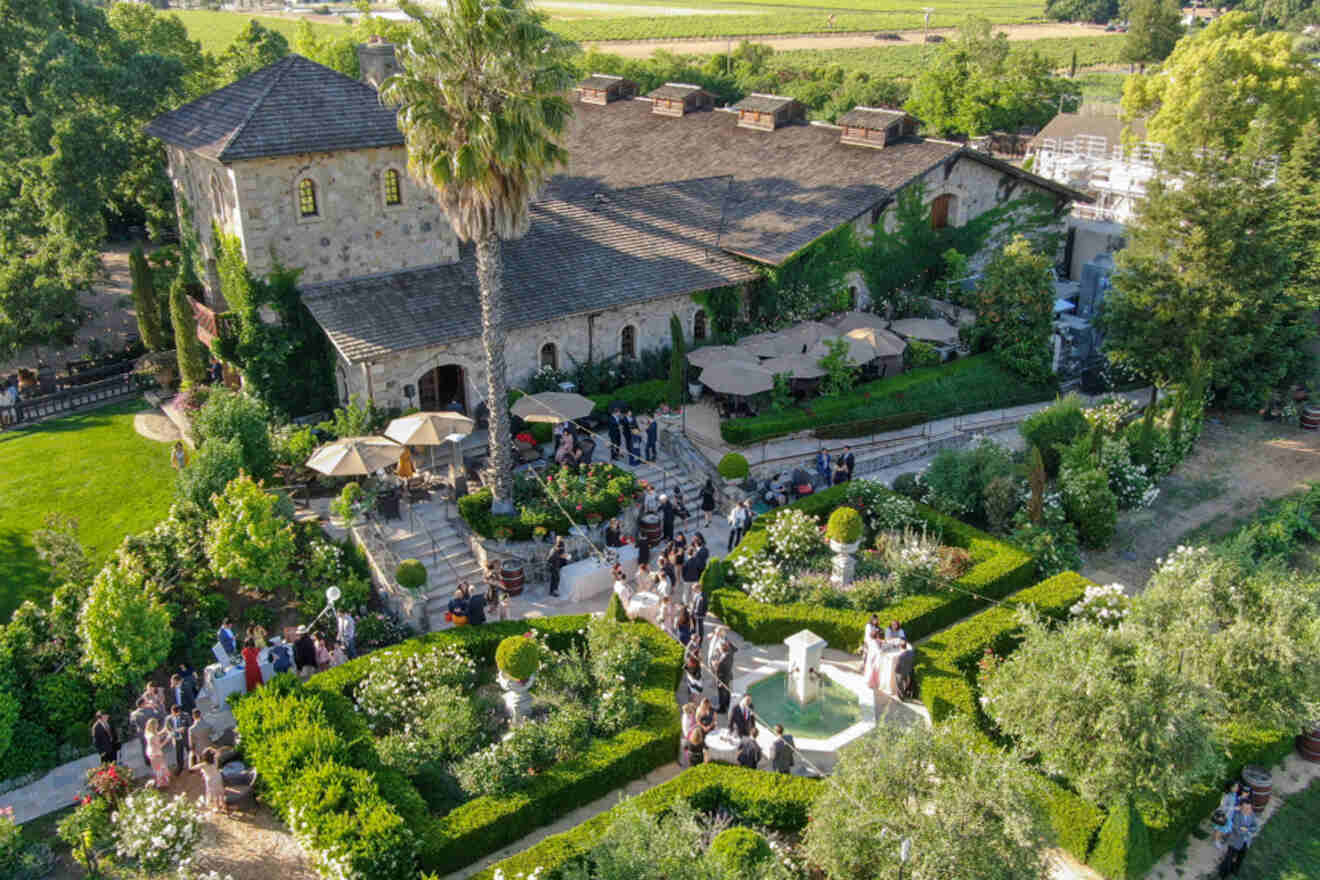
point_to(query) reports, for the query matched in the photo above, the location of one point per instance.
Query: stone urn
(517, 696)
(843, 563)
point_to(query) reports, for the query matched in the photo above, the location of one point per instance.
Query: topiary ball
(518, 657)
(410, 574)
(740, 853)
(845, 526)
(733, 467)
(351, 493)
(908, 484)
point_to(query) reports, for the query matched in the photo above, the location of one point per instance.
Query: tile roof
(676, 91)
(627, 246)
(871, 117)
(759, 103)
(1068, 126)
(292, 106)
(603, 81)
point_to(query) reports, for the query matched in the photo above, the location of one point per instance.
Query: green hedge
(475, 511)
(641, 396)
(289, 727)
(1004, 569)
(862, 427)
(966, 385)
(776, 800)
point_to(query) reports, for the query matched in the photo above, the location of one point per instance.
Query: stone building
(307, 168)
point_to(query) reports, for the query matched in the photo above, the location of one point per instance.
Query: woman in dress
(621, 588)
(614, 533)
(688, 718)
(215, 782)
(322, 654)
(338, 655)
(683, 626)
(707, 502)
(692, 665)
(895, 630)
(875, 655)
(696, 746)
(257, 633)
(706, 715)
(157, 741)
(252, 666)
(667, 616)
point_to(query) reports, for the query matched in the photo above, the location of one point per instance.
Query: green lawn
(1288, 848)
(92, 466)
(216, 30)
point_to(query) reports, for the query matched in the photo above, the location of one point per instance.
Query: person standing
(1245, 826)
(304, 653)
(667, 512)
(225, 635)
(749, 752)
(688, 720)
(553, 563)
(700, 605)
(823, 467)
(199, 736)
(692, 665)
(144, 713)
(633, 437)
(347, 630)
(178, 456)
(105, 738)
(742, 720)
(177, 724)
(849, 461)
(724, 676)
(781, 751)
(252, 666)
(215, 782)
(840, 472)
(156, 741)
(476, 605)
(616, 434)
(707, 503)
(652, 436)
(184, 696)
(696, 746)
(737, 525)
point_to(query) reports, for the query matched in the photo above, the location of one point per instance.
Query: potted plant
(347, 507)
(734, 469)
(410, 575)
(539, 533)
(517, 659)
(844, 532)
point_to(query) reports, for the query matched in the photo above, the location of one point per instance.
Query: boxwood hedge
(290, 728)
(1003, 570)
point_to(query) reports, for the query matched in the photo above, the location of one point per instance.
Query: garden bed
(603, 492)
(294, 733)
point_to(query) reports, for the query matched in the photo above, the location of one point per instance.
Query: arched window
(699, 325)
(307, 198)
(549, 356)
(393, 195)
(628, 342)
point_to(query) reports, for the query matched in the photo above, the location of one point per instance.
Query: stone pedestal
(843, 563)
(517, 700)
(805, 650)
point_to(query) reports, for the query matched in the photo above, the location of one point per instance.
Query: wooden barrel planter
(650, 528)
(1257, 779)
(1308, 744)
(1311, 417)
(511, 575)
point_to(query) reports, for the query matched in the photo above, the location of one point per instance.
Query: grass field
(92, 466)
(1288, 848)
(216, 30)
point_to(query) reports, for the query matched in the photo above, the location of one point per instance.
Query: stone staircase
(665, 473)
(431, 533)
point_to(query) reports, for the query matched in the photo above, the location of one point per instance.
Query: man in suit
(476, 605)
(742, 720)
(553, 563)
(105, 739)
(849, 462)
(226, 638)
(304, 653)
(667, 512)
(698, 608)
(749, 752)
(632, 437)
(177, 724)
(652, 435)
(182, 694)
(199, 735)
(616, 435)
(903, 670)
(781, 751)
(724, 677)
(139, 718)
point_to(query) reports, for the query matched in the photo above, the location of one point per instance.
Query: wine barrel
(1311, 417)
(511, 575)
(1309, 743)
(650, 528)
(1257, 778)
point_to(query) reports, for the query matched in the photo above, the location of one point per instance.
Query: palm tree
(481, 103)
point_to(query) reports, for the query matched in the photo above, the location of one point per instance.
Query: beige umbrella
(737, 378)
(355, 456)
(428, 429)
(710, 355)
(885, 343)
(552, 406)
(927, 329)
(798, 366)
(859, 351)
(765, 345)
(857, 320)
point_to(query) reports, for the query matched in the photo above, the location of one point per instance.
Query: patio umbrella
(710, 355)
(927, 329)
(805, 334)
(428, 429)
(799, 366)
(766, 345)
(885, 343)
(859, 351)
(857, 321)
(355, 456)
(737, 378)
(552, 406)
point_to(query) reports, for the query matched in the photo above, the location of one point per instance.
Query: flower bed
(603, 490)
(292, 730)
(1002, 569)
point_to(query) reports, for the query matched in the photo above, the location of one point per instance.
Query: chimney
(376, 61)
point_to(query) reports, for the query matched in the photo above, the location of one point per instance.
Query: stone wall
(354, 232)
(585, 337)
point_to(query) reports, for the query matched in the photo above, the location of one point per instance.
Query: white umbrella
(429, 429)
(552, 406)
(859, 351)
(710, 355)
(885, 343)
(928, 329)
(737, 378)
(355, 456)
(798, 366)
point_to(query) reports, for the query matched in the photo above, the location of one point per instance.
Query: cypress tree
(144, 301)
(677, 363)
(188, 350)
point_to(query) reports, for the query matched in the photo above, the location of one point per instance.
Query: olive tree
(124, 629)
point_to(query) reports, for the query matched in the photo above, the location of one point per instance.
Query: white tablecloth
(722, 746)
(220, 681)
(588, 578)
(886, 664)
(645, 606)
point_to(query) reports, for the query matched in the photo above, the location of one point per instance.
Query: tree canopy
(1154, 26)
(1014, 302)
(1097, 11)
(124, 629)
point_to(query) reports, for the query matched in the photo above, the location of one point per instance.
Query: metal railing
(36, 408)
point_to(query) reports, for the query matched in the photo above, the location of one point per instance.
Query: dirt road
(643, 48)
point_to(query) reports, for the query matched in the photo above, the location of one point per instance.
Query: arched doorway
(441, 386)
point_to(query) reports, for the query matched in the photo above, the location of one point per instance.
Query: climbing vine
(811, 283)
(723, 307)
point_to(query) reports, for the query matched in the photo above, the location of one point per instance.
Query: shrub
(1122, 850)
(1058, 424)
(338, 815)
(233, 415)
(21, 859)
(957, 479)
(845, 526)
(909, 484)
(251, 539)
(158, 834)
(863, 427)
(794, 534)
(1090, 504)
(740, 853)
(411, 574)
(920, 354)
(517, 657)
(210, 470)
(734, 467)
(1002, 500)
(345, 506)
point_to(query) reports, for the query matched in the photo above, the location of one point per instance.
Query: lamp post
(332, 595)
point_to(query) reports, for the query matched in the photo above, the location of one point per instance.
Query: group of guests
(11, 401)
(182, 731)
(468, 607)
(875, 653)
(833, 471)
(699, 721)
(302, 650)
(573, 446)
(1235, 826)
(637, 436)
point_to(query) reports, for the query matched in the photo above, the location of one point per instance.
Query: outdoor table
(722, 746)
(645, 606)
(221, 681)
(588, 578)
(889, 667)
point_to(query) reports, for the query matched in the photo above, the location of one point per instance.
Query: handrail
(414, 522)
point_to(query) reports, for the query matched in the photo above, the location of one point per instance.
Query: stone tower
(376, 61)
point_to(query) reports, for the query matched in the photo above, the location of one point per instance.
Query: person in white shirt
(894, 631)
(347, 632)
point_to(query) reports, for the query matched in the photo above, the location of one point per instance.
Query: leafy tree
(124, 629)
(677, 362)
(58, 546)
(1121, 722)
(985, 821)
(906, 258)
(481, 98)
(250, 539)
(210, 470)
(1015, 310)
(144, 301)
(235, 415)
(338, 49)
(1096, 11)
(1226, 86)
(1154, 26)
(1204, 278)
(1299, 194)
(187, 348)
(254, 47)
